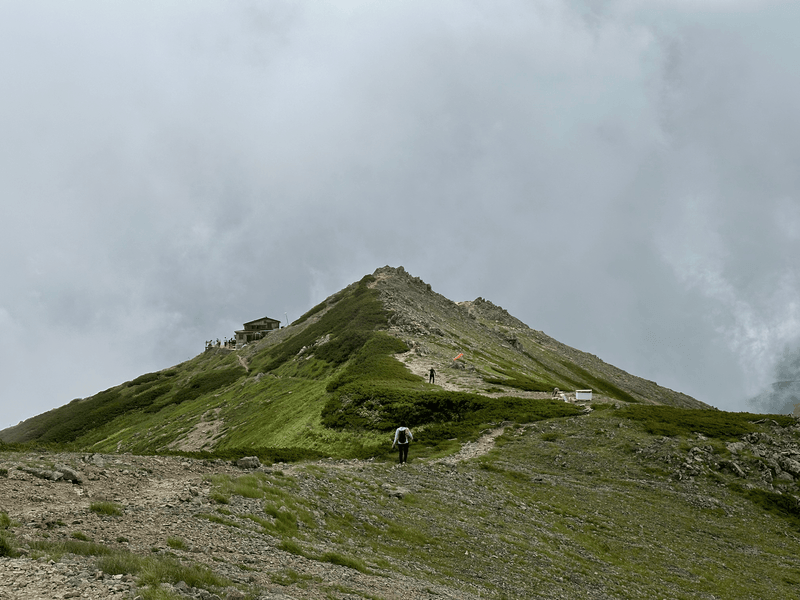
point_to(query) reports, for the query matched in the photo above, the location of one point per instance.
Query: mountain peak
(337, 379)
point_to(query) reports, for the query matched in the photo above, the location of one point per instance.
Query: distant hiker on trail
(402, 437)
(431, 375)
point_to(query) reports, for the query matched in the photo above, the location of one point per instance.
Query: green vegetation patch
(444, 414)
(335, 558)
(374, 362)
(782, 505)
(672, 421)
(8, 544)
(200, 385)
(106, 508)
(349, 322)
(521, 382)
(56, 549)
(66, 423)
(177, 543)
(283, 512)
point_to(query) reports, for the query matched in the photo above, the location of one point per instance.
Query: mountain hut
(255, 330)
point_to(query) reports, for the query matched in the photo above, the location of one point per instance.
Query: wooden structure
(255, 330)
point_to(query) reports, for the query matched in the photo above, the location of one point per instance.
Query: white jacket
(409, 437)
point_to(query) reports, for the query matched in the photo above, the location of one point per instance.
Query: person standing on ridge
(431, 375)
(402, 437)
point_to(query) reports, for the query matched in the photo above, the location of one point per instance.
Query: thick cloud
(621, 174)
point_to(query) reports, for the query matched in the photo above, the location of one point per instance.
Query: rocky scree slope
(587, 507)
(497, 345)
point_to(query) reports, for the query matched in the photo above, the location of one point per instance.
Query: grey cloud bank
(619, 174)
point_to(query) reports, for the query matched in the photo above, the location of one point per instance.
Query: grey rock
(395, 491)
(70, 474)
(735, 447)
(733, 467)
(790, 465)
(248, 462)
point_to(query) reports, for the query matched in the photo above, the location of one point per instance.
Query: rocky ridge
(438, 329)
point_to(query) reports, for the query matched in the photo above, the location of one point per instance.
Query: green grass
(671, 421)
(218, 520)
(444, 414)
(564, 506)
(104, 507)
(350, 323)
(785, 506)
(522, 382)
(56, 549)
(283, 512)
(154, 570)
(177, 543)
(8, 545)
(291, 577)
(335, 558)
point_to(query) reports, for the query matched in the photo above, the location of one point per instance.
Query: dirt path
(473, 449)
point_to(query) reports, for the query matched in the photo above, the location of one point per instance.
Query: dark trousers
(403, 452)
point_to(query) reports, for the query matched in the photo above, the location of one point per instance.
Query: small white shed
(583, 394)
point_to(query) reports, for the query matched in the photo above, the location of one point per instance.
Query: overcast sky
(622, 174)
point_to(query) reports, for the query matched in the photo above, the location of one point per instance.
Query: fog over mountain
(620, 174)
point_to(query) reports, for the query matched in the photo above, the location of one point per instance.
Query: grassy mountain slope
(340, 378)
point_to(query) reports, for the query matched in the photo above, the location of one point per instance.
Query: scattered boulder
(69, 474)
(248, 462)
(790, 465)
(732, 467)
(735, 447)
(395, 491)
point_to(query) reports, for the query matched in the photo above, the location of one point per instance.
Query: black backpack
(401, 436)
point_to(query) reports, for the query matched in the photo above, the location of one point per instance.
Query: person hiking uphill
(402, 437)
(431, 375)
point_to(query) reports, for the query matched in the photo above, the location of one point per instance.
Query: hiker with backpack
(402, 437)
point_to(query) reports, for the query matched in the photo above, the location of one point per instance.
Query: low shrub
(285, 521)
(335, 558)
(292, 547)
(8, 546)
(782, 505)
(672, 421)
(154, 570)
(521, 382)
(106, 508)
(56, 549)
(444, 414)
(350, 322)
(200, 385)
(177, 543)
